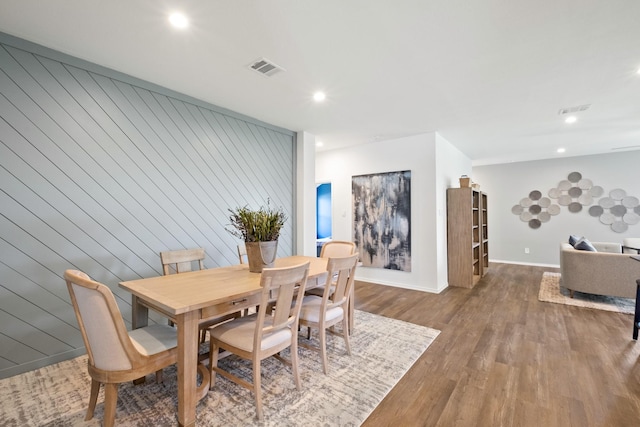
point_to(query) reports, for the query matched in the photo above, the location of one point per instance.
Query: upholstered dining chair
(182, 261)
(115, 355)
(265, 333)
(331, 308)
(337, 248)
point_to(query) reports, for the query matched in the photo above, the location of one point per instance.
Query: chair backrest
(287, 285)
(181, 260)
(103, 330)
(337, 248)
(343, 270)
(242, 253)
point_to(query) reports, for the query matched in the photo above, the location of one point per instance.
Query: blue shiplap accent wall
(100, 172)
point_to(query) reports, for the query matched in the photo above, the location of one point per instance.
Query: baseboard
(533, 264)
(401, 285)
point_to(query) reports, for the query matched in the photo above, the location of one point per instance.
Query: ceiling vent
(575, 109)
(265, 67)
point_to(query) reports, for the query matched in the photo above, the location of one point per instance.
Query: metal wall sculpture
(617, 210)
(382, 219)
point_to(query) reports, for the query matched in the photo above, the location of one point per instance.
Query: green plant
(262, 225)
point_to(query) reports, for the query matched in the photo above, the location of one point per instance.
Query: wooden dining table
(193, 298)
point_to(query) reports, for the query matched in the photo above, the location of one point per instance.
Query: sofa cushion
(584, 245)
(609, 247)
(573, 239)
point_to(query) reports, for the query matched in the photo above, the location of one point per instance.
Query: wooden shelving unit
(467, 236)
(485, 232)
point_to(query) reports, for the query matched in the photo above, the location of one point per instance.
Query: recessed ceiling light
(638, 71)
(319, 96)
(178, 20)
(571, 119)
(561, 150)
(319, 144)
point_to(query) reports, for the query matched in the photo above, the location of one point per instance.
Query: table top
(180, 293)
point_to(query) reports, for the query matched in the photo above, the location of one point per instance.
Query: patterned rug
(551, 291)
(383, 350)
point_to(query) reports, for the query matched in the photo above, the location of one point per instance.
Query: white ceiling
(490, 76)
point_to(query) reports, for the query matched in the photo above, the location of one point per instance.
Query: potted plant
(259, 229)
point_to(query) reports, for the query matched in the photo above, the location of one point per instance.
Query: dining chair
(332, 249)
(242, 257)
(336, 248)
(115, 355)
(323, 313)
(242, 254)
(264, 334)
(182, 261)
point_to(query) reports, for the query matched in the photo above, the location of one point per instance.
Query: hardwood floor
(504, 358)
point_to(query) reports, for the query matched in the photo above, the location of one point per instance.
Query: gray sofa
(605, 272)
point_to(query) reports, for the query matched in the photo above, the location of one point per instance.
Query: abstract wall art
(617, 209)
(382, 219)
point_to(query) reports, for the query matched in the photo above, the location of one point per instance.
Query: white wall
(435, 164)
(305, 194)
(507, 184)
(451, 163)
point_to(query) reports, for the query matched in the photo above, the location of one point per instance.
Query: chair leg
(294, 362)
(345, 334)
(257, 388)
(323, 348)
(159, 377)
(110, 402)
(213, 362)
(93, 398)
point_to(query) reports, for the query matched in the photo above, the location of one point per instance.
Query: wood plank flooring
(504, 358)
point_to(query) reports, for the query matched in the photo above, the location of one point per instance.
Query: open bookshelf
(467, 236)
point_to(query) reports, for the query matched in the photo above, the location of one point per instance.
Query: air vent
(575, 109)
(265, 67)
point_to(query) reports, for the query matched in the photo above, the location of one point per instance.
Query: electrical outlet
(526, 250)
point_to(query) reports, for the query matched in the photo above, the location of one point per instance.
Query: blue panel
(323, 211)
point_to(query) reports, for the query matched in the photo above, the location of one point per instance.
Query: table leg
(187, 367)
(636, 317)
(139, 314)
(139, 319)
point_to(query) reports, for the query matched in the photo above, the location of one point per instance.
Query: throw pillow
(573, 239)
(584, 245)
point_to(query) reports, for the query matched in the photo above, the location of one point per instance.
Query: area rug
(383, 350)
(551, 291)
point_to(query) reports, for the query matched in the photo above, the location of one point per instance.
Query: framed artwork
(382, 219)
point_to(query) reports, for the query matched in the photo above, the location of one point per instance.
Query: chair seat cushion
(240, 332)
(319, 291)
(154, 339)
(310, 310)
